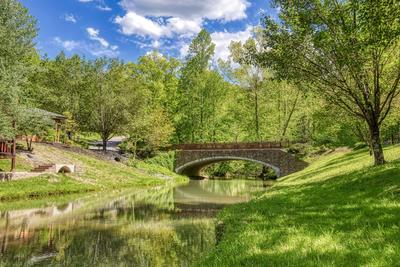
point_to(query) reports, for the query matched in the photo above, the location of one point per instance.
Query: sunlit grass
(340, 211)
(21, 165)
(92, 174)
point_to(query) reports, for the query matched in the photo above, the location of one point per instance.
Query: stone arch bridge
(192, 158)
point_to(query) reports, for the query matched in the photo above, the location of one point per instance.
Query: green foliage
(110, 98)
(346, 51)
(17, 30)
(149, 130)
(201, 113)
(31, 123)
(263, 92)
(163, 159)
(237, 169)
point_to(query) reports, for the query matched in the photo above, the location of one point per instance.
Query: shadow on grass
(349, 219)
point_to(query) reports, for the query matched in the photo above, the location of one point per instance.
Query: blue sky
(129, 29)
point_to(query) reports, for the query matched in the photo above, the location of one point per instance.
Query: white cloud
(67, 45)
(155, 44)
(101, 5)
(133, 23)
(183, 50)
(222, 41)
(70, 18)
(227, 10)
(182, 26)
(168, 18)
(104, 8)
(94, 35)
(94, 49)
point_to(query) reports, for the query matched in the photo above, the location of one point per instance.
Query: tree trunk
(30, 144)
(257, 120)
(28, 147)
(286, 125)
(105, 144)
(376, 144)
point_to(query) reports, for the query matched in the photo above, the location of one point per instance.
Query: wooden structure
(8, 151)
(58, 122)
(57, 119)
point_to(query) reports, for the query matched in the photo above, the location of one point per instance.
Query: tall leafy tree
(193, 88)
(64, 85)
(252, 77)
(151, 121)
(110, 99)
(17, 31)
(347, 51)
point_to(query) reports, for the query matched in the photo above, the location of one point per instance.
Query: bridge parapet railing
(219, 146)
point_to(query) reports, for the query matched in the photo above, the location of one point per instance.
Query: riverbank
(340, 211)
(93, 174)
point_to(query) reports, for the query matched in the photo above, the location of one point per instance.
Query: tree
(111, 90)
(64, 85)
(268, 104)
(193, 89)
(149, 130)
(17, 30)
(33, 123)
(347, 51)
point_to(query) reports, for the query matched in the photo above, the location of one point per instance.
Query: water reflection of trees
(130, 245)
(135, 229)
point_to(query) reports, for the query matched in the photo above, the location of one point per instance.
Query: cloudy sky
(131, 28)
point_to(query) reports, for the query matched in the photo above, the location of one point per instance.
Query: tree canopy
(285, 83)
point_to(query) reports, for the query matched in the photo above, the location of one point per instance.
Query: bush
(164, 159)
(304, 149)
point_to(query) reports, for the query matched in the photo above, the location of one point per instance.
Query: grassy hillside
(340, 211)
(93, 174)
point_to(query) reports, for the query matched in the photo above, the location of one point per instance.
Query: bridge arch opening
(195, 168)
(64, 169)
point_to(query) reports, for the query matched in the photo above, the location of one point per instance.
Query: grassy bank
(340, 211)
(93, 174)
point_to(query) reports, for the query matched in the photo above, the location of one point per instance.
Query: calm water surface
(159, 227)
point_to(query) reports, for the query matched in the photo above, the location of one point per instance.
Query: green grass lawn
(43, 186)
(21, 165)
(93, 174)
(340, 211)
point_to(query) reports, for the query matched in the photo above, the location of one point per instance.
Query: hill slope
(93, 174)
(340, 211)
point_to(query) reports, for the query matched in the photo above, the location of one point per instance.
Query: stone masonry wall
(191, 161)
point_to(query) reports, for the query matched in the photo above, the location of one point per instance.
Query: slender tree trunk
(376, 144)
(256, 115)
(286, 125)
(104, 144)
(30, 144)
(28, 147)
